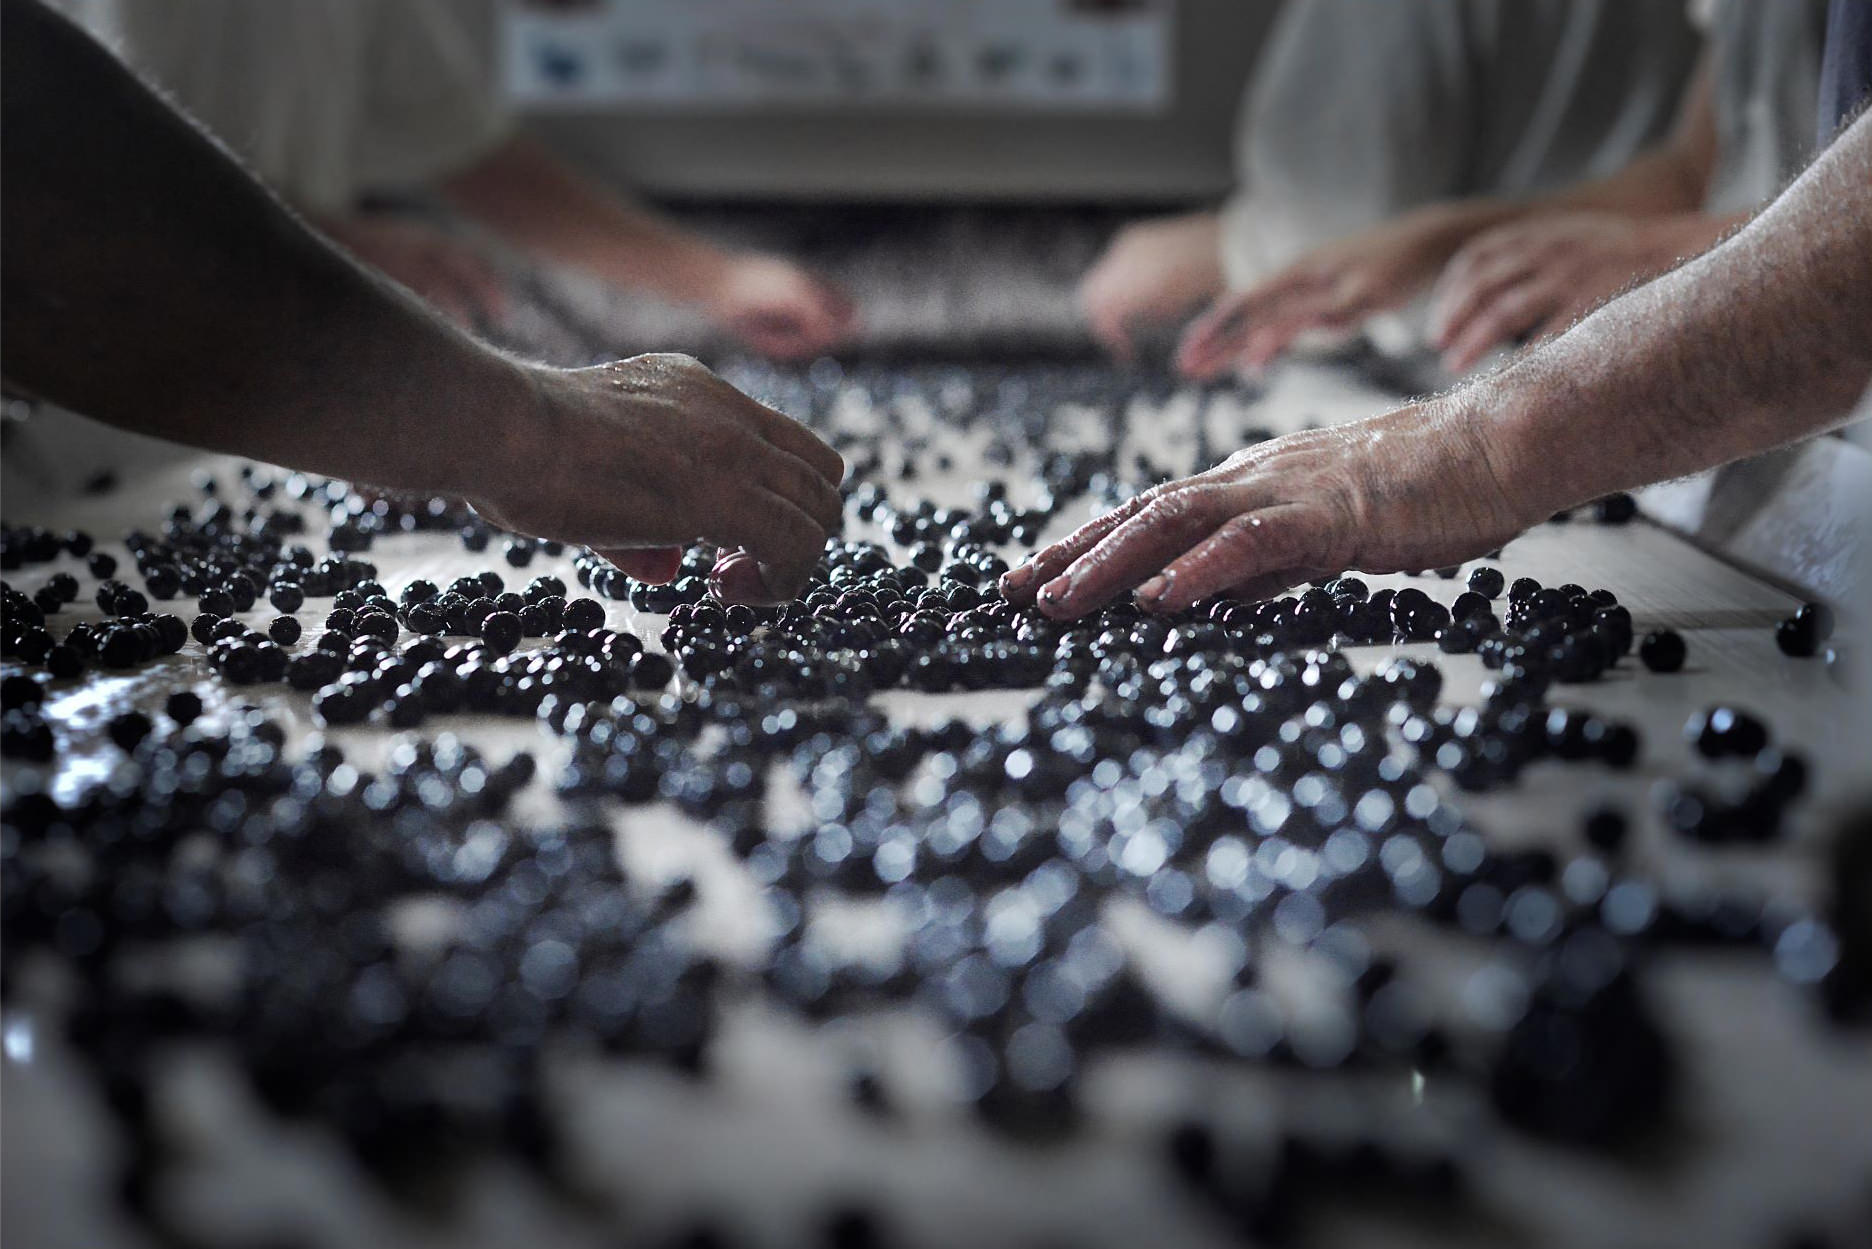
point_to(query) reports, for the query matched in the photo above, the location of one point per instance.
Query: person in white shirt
(1502, 268)
(1359, 111)
(331, 102)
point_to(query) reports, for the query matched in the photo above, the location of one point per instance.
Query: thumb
(653, 564)
(1211, 339)
(737, 578)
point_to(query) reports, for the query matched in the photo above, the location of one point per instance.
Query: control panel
(744, 55)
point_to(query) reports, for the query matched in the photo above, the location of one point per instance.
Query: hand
(639, 457)
(778, 308)
(1334, 288)
(1413, 488)
(1152, 273)
(1533, 279)
(460, 284)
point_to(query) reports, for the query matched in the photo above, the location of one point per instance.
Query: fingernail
(1153, 592)
(1018, 578)
(738, 579)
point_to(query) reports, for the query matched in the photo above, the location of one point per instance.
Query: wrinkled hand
(1334, 288)
(639, 457)
(778, 308)
(1413, 488)
(1152, 273)
(459, 283)
(1533, 279)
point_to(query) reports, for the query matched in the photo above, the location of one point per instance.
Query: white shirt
(324, 99)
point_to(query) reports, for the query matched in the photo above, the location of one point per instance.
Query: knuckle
(677, 367)
(1166, 511)
(1512, 309)
(1239, 531)
(753, 455)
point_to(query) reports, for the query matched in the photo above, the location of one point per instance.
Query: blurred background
(862, 99)
(578, 180)
(953, 166)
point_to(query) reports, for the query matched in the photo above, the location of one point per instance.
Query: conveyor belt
(1766, 1129)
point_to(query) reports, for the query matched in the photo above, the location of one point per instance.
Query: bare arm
(530, 197)
(1339, 285)
(150, 282)
(1557, 258)
(1669, 177)
(521, 192)
(1764, 340)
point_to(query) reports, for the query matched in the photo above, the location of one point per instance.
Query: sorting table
(1768, 1130)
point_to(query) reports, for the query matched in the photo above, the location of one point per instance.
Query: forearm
(1672, 176)
(1758, 343)
(1660, 187)
(1655, 182)
(1444, 228)
(534, 200)
(130, 237)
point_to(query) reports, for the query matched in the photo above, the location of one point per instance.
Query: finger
(458, 284)
(808, 323)
(436, 286)
(653, 564)
(483, 318)
(1265, 332)
(836, 307)
(1459, 275)
(1245, 547)
(452, 306)
(819, 314)
(1507, 317)
(1108, 330)
(778, 336)
(802, 444)
(736, 578)
(1020, 584)
(782, 583)
(478, 281)
(787, 542)
(1555, 325)
(1213, 338)
(782, 331)
(804, 486)
(1468, 296)
(1269, 340)
(1171, 523)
